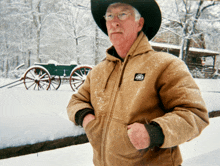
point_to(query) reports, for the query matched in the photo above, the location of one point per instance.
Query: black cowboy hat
(148, 9)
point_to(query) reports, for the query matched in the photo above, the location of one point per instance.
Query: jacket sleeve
(186, 114)
(81, 114)
(156, 135)
(80, 101)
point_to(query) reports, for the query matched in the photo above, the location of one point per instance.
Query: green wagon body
(58, 70)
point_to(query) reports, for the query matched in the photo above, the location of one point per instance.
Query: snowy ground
(27, 117)
(202, 151)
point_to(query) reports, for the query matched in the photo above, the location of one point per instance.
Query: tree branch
(171, 31)
(205, 7)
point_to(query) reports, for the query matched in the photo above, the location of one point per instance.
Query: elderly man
(137, 105)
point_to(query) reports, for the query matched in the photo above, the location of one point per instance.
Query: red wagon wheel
(37, 78)
(55, 82)
(78, 76)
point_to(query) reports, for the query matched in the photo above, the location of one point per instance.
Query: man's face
(122, 31)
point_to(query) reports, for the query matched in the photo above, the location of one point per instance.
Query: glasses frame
(118, 15)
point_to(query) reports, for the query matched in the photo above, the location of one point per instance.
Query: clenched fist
(87, 119)
(139, 136)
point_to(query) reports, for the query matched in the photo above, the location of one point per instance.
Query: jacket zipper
(109, 116)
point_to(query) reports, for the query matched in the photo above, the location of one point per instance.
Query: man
(137, 105)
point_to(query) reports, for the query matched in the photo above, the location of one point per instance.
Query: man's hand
(139, 136)
(87, 119)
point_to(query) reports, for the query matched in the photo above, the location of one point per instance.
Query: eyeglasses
(121, 16)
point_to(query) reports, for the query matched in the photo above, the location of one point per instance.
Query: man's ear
(140, 24)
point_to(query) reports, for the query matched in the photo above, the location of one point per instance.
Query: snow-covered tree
(187, 19)
(14, 32)
(40, 30)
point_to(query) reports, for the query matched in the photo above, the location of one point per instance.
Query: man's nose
(115, 22)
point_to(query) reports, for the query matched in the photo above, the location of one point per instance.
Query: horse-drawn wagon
(45, 76)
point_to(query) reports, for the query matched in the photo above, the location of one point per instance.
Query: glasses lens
(109, 17)
(123, 16)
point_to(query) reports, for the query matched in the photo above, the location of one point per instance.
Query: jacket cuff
(156, 134)
(81, 114)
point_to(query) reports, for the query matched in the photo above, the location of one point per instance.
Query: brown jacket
(147, 87)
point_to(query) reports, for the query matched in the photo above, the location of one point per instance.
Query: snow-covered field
(202, 151)
(28, 117)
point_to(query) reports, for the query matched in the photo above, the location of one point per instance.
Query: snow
(207, 143)
(171, 46)
(34, 116)
(202, 151)
(77, 155)
(210, 89)
(28, 117)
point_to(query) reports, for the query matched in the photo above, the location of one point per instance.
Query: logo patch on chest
(139, 77)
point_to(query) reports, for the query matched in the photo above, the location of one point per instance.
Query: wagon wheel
(78, 76)
(37, 78)
(55, 82)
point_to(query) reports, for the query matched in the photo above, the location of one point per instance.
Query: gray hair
(137, 15)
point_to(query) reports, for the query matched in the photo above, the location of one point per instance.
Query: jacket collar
(140, 46)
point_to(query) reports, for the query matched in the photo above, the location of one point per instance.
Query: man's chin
(116, 37)
(117, 43)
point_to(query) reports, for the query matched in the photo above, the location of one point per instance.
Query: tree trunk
(188, 41)
(6, 67)
(76, 38)
(29, 58)
(38, 46)
(77, 52)
(96, 58)
(38, 31)
(182, 48)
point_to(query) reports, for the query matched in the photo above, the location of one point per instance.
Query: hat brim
(148, 9)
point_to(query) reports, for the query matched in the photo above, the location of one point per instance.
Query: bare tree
(37, 20)
(37, 31)
(183, 21)
(13, 19)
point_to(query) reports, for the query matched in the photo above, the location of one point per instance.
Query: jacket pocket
(118, 145)
(94, 134)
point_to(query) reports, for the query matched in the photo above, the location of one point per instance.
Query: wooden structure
(195, 56)
(45, 76)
